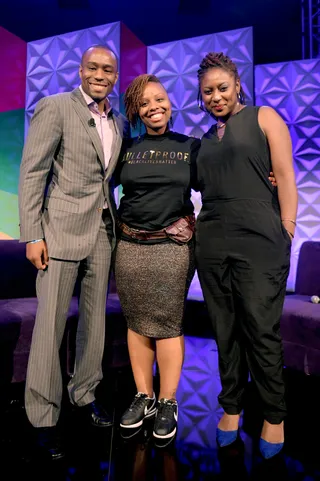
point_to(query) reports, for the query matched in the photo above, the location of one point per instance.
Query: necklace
(220, 125)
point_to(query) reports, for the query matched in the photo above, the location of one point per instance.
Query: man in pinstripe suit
(67, 219)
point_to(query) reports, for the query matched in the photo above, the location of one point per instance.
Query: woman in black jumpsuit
(244, 234)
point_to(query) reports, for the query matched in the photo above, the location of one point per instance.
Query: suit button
(99, 209)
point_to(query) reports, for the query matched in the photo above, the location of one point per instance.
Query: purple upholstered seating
(18, 305)
(300, 323)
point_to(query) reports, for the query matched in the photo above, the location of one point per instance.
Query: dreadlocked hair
(133, 95)
(218, 60)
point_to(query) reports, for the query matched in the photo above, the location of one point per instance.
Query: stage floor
(98, 454)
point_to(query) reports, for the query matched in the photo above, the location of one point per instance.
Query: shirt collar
(90, 102)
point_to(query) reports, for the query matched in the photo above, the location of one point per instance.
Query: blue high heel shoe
(268, 450)
(224, 438)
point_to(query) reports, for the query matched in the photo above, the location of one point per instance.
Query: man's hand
(273, 179)
(37, 253)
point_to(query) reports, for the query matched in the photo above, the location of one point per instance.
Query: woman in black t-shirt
(153, 271)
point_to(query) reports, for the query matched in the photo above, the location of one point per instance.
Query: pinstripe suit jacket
(63, 183)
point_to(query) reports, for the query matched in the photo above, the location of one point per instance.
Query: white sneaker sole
(166, 436)
(163, 442)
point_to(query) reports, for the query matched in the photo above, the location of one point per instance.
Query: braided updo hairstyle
(218, 60)
(133, 95)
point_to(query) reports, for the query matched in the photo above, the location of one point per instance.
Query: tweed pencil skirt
(152, 282)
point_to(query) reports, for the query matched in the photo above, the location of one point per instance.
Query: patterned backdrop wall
(293, 89)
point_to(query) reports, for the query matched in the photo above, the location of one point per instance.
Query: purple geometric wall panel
(197, 393)
(293, 89)
(53, 63)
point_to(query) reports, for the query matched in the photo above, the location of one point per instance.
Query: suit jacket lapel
(83, 111)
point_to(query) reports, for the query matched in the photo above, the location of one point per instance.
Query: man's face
(98, 73)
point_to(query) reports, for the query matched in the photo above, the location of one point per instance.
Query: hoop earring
(203, 109)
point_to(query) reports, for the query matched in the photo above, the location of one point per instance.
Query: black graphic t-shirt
(157, 173)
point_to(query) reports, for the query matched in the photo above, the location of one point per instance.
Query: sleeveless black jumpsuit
(243, 257)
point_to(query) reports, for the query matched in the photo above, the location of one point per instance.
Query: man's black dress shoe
(98, 415)
(49, 443)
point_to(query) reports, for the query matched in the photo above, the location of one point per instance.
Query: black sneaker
(142, 407)
(165, 424)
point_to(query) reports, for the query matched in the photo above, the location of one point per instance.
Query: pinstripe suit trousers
(55, 287)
